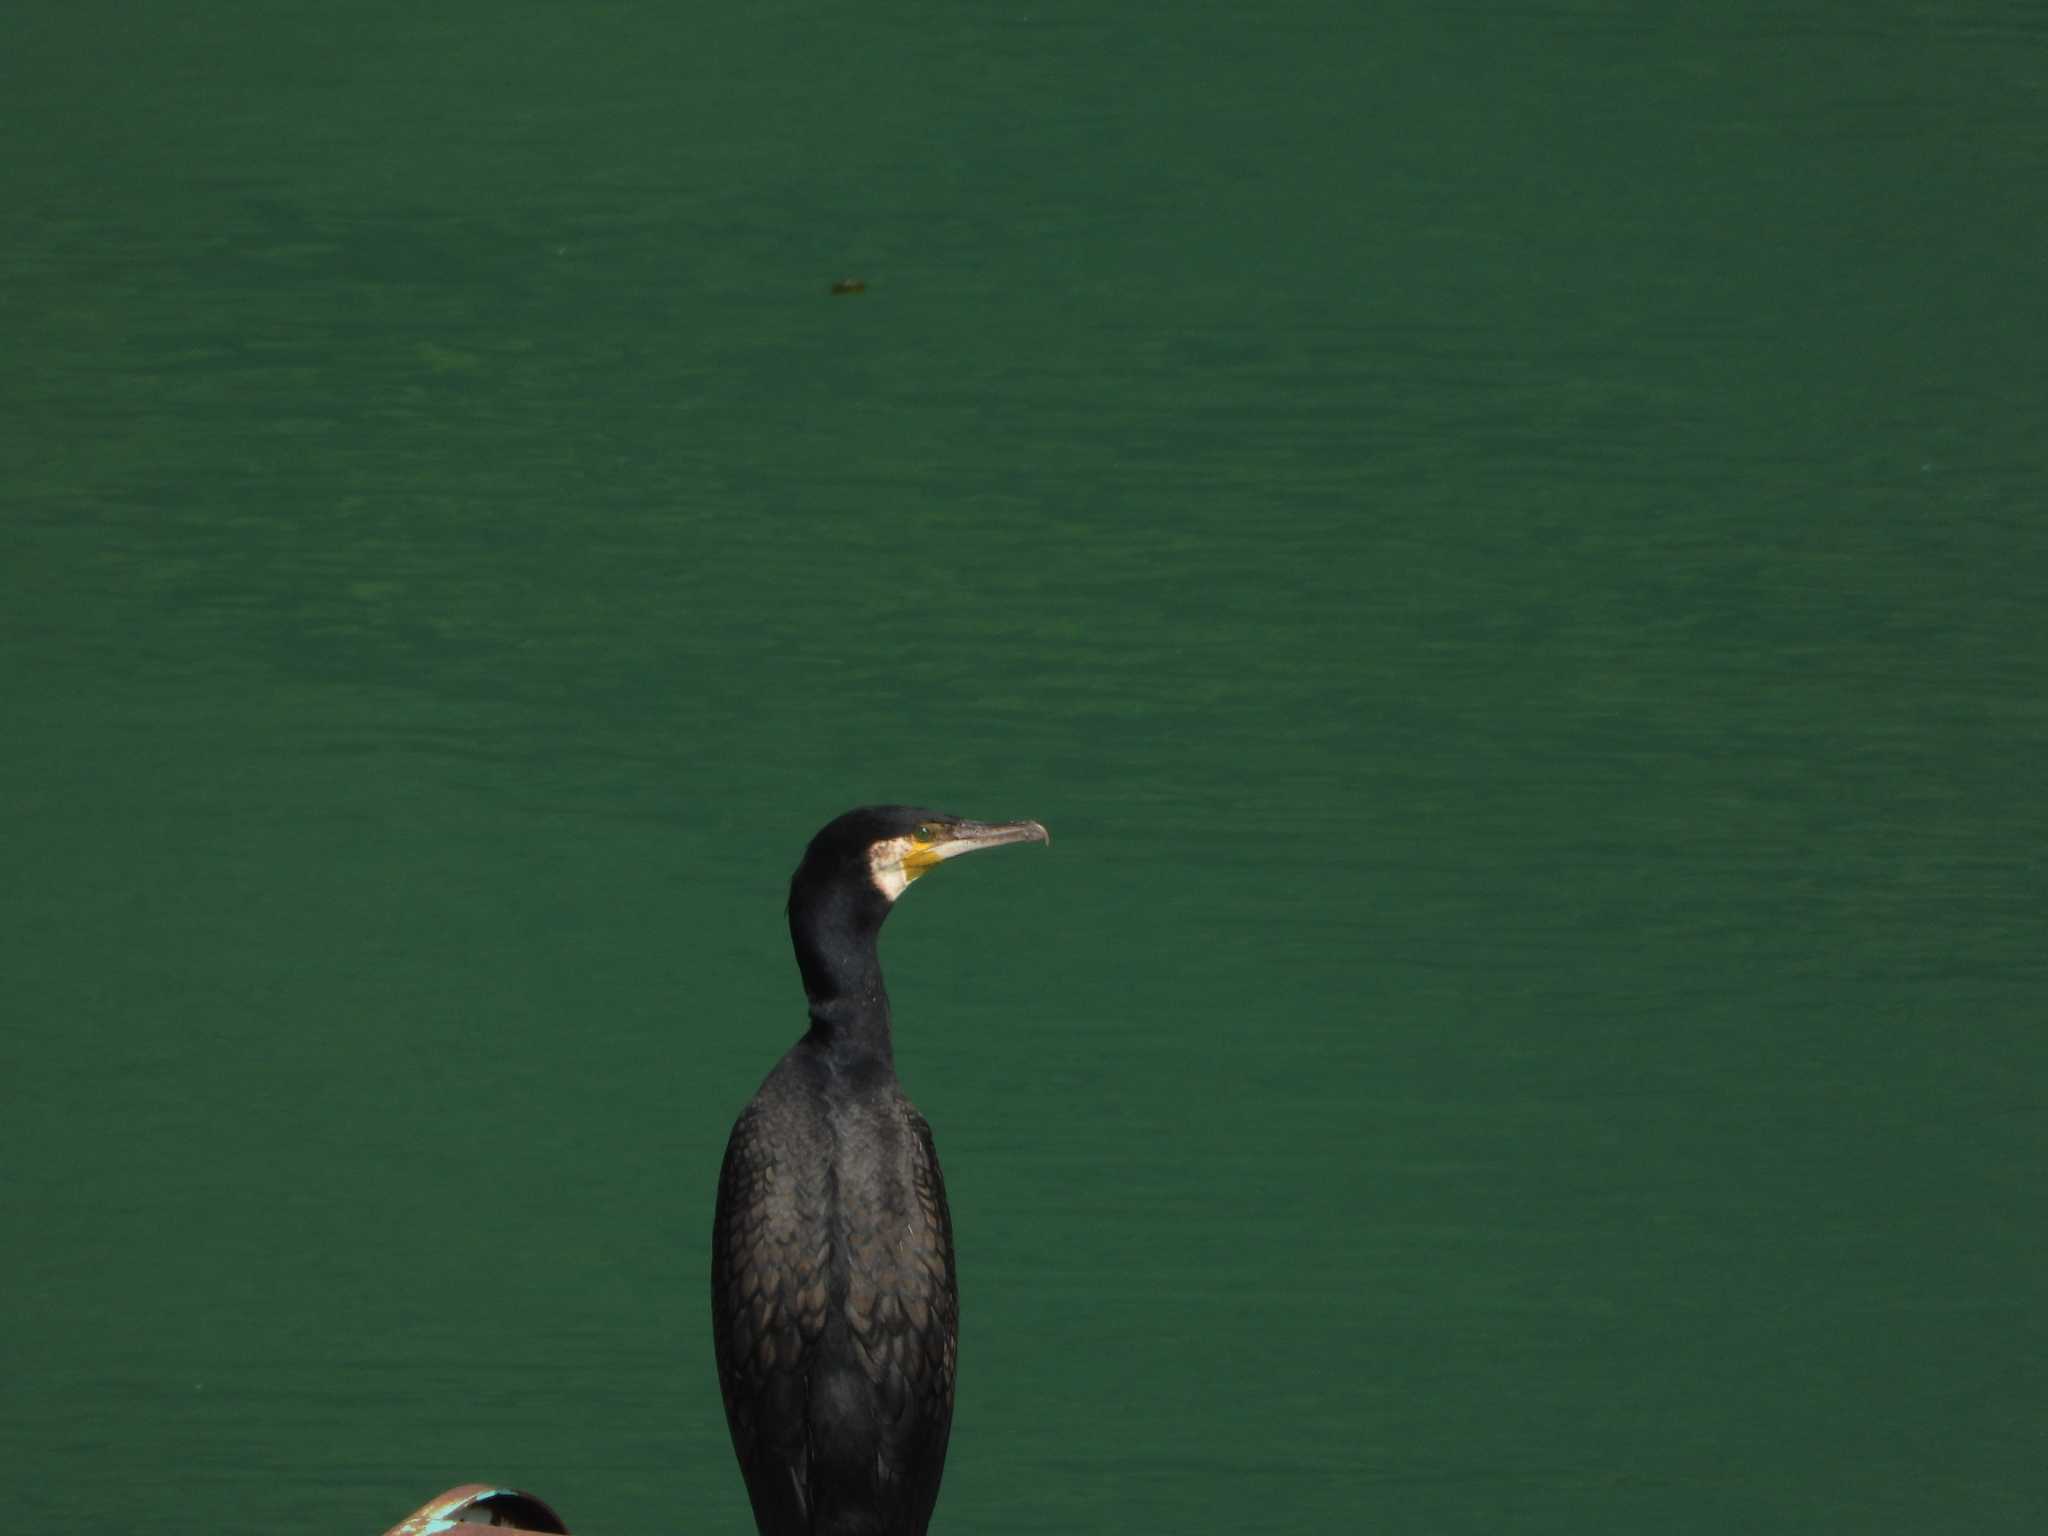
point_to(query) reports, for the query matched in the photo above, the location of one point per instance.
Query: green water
(1507, 546)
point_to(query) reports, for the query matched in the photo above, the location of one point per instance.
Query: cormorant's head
(885, 847)
(852, 874)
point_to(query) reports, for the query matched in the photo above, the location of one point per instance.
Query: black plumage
(834, 1306)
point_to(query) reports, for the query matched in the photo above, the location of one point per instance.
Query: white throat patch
(885, 866)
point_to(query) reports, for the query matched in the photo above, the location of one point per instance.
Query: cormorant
(834, 1311)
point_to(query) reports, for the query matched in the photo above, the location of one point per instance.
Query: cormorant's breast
(834, 1300)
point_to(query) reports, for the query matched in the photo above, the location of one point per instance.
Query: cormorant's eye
(928, 832)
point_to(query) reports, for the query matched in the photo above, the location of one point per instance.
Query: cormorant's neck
(852, 1030)
(837, 934)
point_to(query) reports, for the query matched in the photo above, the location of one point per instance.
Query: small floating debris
(850, 285)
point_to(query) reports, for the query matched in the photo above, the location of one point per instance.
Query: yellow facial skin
(896, 861)
(920, 856)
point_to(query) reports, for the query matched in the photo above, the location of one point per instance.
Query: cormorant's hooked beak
(966, 836)
(900, 860)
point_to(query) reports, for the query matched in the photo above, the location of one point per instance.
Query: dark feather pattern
(834, 1303)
